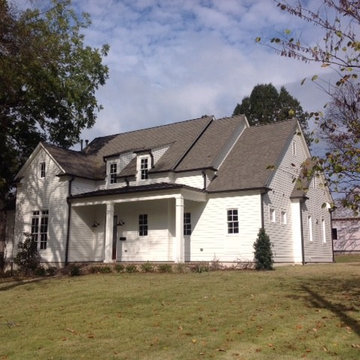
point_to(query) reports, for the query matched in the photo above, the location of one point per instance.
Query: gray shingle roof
(246, 165)
(206, 150)
(193, 144)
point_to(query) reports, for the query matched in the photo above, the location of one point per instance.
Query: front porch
(130, 226)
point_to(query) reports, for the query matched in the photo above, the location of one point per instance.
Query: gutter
(68, 222)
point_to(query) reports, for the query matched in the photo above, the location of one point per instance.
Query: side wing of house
(299, 226)
(41, 207)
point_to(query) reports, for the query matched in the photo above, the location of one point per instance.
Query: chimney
(81, 144)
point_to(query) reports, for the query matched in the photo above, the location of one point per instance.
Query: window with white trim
(113, 173)
(283, 217)
(310, 228)
(144, 168)
(40, 228)
(187, 223)
(143, 225)
(323, 227)
(42, 169)
(232, 221)
(272, 215)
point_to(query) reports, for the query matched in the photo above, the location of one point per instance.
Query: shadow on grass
(341, 297)
(16, 283)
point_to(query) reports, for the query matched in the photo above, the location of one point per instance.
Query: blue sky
(173, 60)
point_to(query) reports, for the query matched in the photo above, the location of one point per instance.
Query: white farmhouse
(197, 190)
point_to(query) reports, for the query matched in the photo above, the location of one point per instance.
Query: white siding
(190, 178)
(317, 250)
(80, 186)
(86, 240)
(49, 193)
(157, 245)
(9, 234)
(210, 240)
(282, 236)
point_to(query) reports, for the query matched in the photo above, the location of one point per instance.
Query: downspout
(332, 238)
(68, 222)
(302, 235)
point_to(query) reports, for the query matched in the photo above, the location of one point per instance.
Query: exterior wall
(87, 231)
(80, 186)
(190, 178)
(210, 239)
(285, 246)
(320, 248)
(158, 244)
(348, 235)
(48, 193)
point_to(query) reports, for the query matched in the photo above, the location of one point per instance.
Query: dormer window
(144, 168)
(113, 173)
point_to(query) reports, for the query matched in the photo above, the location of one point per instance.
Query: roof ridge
(154, 127)
(45, 143)
(273, 123)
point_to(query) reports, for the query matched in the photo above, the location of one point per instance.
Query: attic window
(113, 172)
(42, 169)
(144, 168)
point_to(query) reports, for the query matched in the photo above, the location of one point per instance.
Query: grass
(293, 312)
(346, 258)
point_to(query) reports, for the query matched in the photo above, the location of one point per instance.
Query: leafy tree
(266, 105)
(27, 257)
(338, 49)
(48, 79)
(263, 253)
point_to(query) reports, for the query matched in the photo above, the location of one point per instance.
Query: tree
(27, 257)
(266, 105)
(48, 79)
(263, 253)
(339, 49)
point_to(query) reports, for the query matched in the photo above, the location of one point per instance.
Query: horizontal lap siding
(157, 245)
(317, 250)
(209, 239)
(278, 198)
(194, 179)
(49, 193)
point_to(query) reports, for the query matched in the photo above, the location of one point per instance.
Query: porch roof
(134, 189)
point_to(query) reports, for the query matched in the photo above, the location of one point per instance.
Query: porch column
(179, 255)
(109, 229)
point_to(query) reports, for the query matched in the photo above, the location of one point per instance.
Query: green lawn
(293, 312)
(345, 258)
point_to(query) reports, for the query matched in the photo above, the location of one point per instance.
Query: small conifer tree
(263, 253)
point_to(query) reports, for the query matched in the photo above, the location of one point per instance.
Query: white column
(179, 251)
(109, 232)
(296, 230)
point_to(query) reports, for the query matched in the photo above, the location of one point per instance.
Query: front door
(115, 235)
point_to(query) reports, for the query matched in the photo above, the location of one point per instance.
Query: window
(334, 233)
(283, 217)
(294, 148)
(143, 225)
(272, 215)
(42, 169)
(233, 221)
(310, 229)
(323, 227)
(187, 223)
(113, 172)
(144, 168)
(40, 232)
